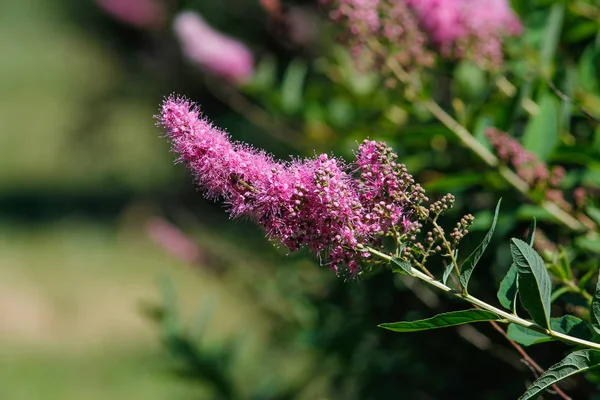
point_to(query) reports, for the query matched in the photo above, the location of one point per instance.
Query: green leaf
(594, 213)
(467, 267)
(575, 363)
(507, 293)
(586, 70)
(542, 131)
(595, 309)
(551, 36)
(264, 75)
(405, 267)
(535, 286)
(470, 81)
(531, 234)
(590, 244)
(292, 87)
(442, 320)
(449, 268)
(509, 288)
(581, 31)
(567, 324)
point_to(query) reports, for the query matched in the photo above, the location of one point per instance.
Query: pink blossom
(217, 53)
(468, 28)
(311, 203)
(473, 29)
(139, 13)
(320, 203)
(443, 19)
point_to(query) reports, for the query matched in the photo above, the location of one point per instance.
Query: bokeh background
(118, 281)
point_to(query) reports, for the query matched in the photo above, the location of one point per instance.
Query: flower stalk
(507, 317)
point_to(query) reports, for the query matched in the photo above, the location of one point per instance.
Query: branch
(487, 156)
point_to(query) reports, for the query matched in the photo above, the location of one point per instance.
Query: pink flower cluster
(525, 163)
(387, 22)
(468, 28)
(471, 29)
(315, 203)
(215, 52)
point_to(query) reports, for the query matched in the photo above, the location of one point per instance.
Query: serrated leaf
(507, 293)
(567, 324)
(405, 267)
(595, 309)
(442, 321)
(575, 363)
(535, 286)
(467, 267)
(542, 131)
(449, 268)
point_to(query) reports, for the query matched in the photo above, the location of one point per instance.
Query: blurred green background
(93, 307)
(81, 167)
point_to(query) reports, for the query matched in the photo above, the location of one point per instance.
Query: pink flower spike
(213, 51)
(313, 203)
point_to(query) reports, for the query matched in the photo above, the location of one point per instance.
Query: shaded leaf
(575, 363)
(595, 309)
(507, 293)
(535, 286)
(467, 267)
(442, 320)
(567, 324)
(470, 81)
(405, 267)
(449, 268)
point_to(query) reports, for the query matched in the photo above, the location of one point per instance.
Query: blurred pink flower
(173, 240)
(473, 27)
(217, 53)
(139, 13)
(441, 18)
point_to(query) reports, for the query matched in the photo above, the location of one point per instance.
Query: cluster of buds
(411, 30)
(337, 211)
(461, 229)
(536, 173)
(525, 163)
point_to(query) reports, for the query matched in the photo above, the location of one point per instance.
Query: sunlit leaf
(542, 131)
(442, 321)
(467, 267)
